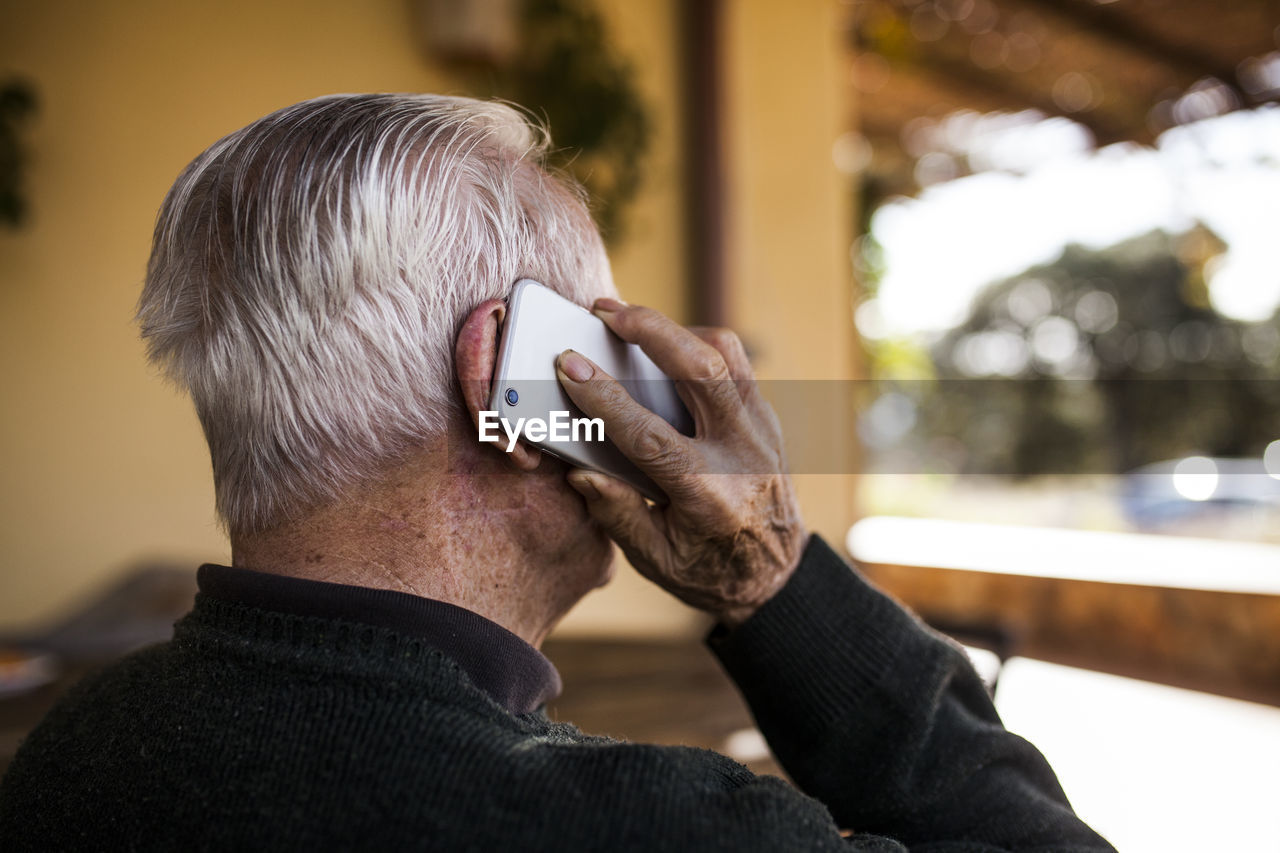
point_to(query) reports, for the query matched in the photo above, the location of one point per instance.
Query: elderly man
(328, 285)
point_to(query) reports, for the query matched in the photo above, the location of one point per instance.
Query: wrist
(731, 615)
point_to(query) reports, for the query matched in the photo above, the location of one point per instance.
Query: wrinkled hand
(731, 535)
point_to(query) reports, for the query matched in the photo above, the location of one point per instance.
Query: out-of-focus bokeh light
(869, 320)
(1261, 344)
(1238, 290)
(1030, 301)
(1022, 52)
(1271, 459)
(989, 50)
(1196, 478)
(1260, 75)
(1054, 340)
(995, 353)
(746, 745)
(927, 25)
(1097, 312)
(1075, 92)
(851, 153)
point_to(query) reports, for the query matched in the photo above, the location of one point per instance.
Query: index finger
(644, 438)
(695, 365)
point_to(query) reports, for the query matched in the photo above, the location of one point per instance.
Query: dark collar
(514, 673)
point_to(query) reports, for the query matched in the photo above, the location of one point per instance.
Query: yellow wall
(102, 464)
(790, 215)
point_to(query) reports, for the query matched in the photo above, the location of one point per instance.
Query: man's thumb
(622, 512)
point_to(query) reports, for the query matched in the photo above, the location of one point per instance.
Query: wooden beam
(1131, 36)
(704, 176)
(960, 76)
(1218, 642)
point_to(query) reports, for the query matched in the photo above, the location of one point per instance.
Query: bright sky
(942, 248)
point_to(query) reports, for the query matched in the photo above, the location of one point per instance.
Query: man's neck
(508, 546)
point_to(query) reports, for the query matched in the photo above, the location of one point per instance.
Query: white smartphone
(540, 325)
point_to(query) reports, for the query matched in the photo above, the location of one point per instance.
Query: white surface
(1152, 768)
(1086, 555)
(995, 224)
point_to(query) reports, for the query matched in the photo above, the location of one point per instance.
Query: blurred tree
(1104, 360)
(17, 104)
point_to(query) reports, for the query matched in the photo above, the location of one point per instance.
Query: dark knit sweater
(512, 672)
(257, 729)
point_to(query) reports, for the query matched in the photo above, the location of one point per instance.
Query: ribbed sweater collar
(513, 673)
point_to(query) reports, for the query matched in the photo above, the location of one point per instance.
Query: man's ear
(475, 358)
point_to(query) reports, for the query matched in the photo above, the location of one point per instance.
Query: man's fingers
(623, 513)
(729, 345)
(696, 366)
(652, 444)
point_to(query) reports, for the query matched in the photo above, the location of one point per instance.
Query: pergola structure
(1126, 70)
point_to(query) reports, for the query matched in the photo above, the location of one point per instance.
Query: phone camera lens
(512, 397)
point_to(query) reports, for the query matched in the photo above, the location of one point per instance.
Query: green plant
(566, 73)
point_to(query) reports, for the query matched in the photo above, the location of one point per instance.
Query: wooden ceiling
(1126, 70)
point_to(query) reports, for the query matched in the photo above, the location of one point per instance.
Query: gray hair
(309, 274)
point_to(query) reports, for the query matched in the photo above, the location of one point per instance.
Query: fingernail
(575, 366)
(585, 487)
(607, 305)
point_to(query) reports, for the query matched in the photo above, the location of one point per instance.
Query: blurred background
(1008, 267)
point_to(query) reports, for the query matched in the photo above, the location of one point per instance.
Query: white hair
(310, 272)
